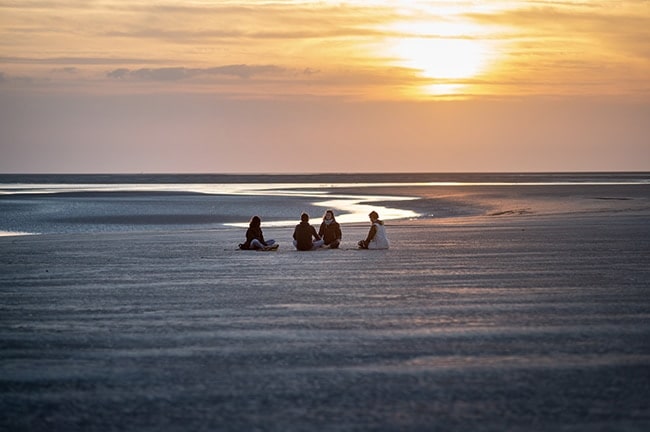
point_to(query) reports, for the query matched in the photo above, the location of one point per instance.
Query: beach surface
(522, 309)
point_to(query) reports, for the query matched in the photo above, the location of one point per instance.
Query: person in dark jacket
(304, 233)
(330, 230)
(255, 237)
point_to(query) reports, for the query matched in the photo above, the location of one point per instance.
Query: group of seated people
(306, 238)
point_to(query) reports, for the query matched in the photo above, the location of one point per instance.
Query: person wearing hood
(304, 233)
(376, 238)
(330, 230)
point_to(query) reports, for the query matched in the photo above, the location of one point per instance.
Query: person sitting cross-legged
(305, 237)
(255, 237)
(330, 230)
(376, 238)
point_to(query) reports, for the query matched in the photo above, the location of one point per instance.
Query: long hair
(331, 212)
(255, 222)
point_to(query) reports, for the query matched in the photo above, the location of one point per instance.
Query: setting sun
(442, 58)
(209, 85)
(442, 46)
(445, 65)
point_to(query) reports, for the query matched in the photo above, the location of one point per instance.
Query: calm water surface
(40, 204)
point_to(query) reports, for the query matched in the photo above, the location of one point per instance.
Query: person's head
(255, 222)
(304, 217)
(373, 215)
(329, 215)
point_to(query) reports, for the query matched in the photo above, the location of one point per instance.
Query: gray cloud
(179, 73)
(75, 60)
(118, 73)
(66, 70)
(245, 71)
(161, 74)
(16, 79)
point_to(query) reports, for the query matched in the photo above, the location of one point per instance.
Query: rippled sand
(504, 320)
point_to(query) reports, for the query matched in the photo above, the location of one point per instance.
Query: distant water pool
(62, 207)
(32, 204)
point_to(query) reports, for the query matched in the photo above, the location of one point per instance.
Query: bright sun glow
(445, 48)
(445, 66)
(442, 58)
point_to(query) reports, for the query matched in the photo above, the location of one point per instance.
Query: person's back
(255, 237)
(304, 233)
(252, 233)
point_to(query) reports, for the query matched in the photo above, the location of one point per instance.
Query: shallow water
(70, 208)
(41, 204)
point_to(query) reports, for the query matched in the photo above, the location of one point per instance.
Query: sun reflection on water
(349, 208)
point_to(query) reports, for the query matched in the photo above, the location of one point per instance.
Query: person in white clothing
(376, 238)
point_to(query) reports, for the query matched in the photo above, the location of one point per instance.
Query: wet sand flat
(534, 320)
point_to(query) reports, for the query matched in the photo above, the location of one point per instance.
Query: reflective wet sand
(495, 320)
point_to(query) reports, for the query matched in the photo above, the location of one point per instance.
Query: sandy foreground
(533, 314)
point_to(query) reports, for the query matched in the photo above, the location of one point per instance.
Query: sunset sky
(132, 86)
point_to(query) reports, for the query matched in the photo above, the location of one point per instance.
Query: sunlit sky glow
(373, 58)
